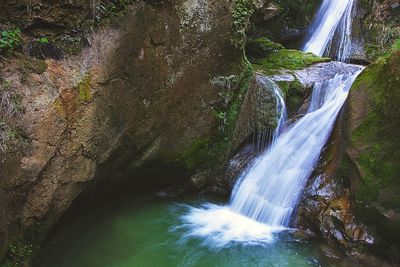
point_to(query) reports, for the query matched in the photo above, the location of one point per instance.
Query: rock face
(112, 115)
(284, 21)
(251, 136)
(352, 198)
(378, 25)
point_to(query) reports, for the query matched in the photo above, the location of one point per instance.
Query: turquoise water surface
(152, 233)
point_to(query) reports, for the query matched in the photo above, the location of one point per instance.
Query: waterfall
(266, 194)
(270, 190)
(332, 14)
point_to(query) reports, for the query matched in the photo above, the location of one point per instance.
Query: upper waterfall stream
(331, 16)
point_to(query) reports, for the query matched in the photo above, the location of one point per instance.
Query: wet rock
(322, 71)
(268, 11)
(257, 113)
(239, 162)
(44, 50)
(283, 21)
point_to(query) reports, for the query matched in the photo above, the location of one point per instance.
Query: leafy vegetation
(242, 11)
(10, 40)
(18, 255)
(43, 40)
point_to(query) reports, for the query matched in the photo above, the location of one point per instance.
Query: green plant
(10, 101)
(242, 11)
(10, 40)
(43, 40)
(18, 255)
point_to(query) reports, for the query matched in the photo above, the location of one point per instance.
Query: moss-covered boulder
(378, 22)
(357, 178)
(374, 149)
(287, 59)
(261, 47)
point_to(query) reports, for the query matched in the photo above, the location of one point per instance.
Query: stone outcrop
(352, 197)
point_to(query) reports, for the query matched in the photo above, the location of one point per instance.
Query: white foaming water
(328, 18)
(220, 226)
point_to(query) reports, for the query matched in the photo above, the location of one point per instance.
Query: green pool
(151, 233)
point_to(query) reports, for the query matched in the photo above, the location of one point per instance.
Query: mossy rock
(211, 153)
(374, 124)
(241, 13)
(261, 47)
(376, 133)
(287, 59)
(294, 94)
(31, 65)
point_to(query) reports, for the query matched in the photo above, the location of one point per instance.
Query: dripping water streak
(266, 137)
(280, 106)
(345, 46)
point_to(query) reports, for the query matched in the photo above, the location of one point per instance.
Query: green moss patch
(213, 152)
(287, 59)
(261, 47)
(84, 88)
(294, 94)
(377, 134)
(242, 11)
